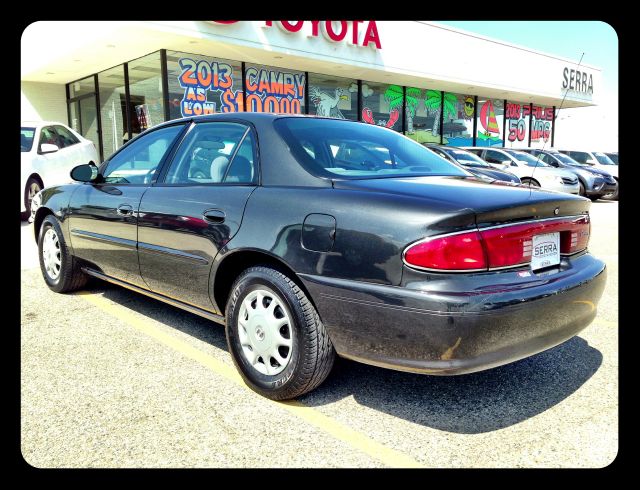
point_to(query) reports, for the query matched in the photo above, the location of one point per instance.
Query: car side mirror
(48, 148)
(84, 173)
(506, 162)
(590, 161)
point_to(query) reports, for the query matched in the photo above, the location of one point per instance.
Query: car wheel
(275, 336)
(530, 182)
(60, 269)
(31, 189)
(582, 190)
(611, 197)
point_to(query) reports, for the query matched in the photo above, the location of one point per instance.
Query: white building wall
(43, 102)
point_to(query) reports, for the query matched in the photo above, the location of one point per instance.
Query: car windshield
(603, 159)
(568, 160)
(466, 158)
(330, 147)
(26, 138)
(528, 160)
(614, 157)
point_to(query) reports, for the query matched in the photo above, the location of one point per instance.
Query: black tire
(530, 182)
(611, 197)
(70, 277)
(312, 353)
(582, 190)
(33, 187)
(595, 198)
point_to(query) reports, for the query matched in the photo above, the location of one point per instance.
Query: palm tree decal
(393, 95)
(413, 94)
(433, 104)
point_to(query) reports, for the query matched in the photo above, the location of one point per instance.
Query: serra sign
(336, 31)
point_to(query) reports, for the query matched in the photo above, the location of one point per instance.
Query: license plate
(546, 250)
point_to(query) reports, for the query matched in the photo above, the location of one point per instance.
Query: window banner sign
(541, 122)
(489, 122)
(517, 115)
(202, 81)
(274, 91)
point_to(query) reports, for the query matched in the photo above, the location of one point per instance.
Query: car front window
(467, 158)
(603, 159)
(26, 138)
(354, 150)
(528, 160)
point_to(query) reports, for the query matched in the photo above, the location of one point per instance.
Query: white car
(529, 169)
(48, 152)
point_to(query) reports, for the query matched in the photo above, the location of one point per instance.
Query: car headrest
(218, 167)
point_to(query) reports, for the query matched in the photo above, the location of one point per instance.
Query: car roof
(248, 116)
(43, 123)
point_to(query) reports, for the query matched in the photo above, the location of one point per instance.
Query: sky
(569, 39)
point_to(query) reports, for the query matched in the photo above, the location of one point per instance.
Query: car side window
(548, 159)
(215, 153)
(137, 163)
(579, 156)
(493, 156)
(49, 136)
(66, 137)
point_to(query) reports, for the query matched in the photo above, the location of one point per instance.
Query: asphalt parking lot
(110, 378)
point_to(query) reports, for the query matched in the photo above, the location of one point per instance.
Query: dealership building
(112, 80)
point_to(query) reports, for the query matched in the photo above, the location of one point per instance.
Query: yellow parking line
(385, 455)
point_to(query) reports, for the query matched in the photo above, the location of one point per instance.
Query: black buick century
(310, 237)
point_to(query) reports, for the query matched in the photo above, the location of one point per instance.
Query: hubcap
(51, 253)
(34, 188)
(265, 332)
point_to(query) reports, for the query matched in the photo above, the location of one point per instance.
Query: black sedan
(472, 162)
(310, 237)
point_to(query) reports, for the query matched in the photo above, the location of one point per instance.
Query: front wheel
(59, 268)
(530, 183)
(275, 336)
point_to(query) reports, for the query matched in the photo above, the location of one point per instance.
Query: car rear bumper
(427, 328)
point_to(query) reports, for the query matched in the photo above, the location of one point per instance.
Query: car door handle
(124, 210)
(214, 216)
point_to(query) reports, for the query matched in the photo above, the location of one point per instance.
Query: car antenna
(554, 121)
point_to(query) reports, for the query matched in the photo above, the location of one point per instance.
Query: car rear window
(26, 138)
(335, 148)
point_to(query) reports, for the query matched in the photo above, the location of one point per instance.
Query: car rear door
(104, 216)
(196, 208)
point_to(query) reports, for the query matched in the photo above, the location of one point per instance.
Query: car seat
(218, 168)
(241, 170)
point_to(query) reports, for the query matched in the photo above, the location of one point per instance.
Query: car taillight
(462, 252)
(494, 248)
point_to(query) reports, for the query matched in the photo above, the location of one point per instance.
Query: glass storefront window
(333, 96)
(200, 84)
(517, 114)
(271, 89)
(113, 109)
(82, 87)
(459, 111)
(541, 126)
(382, 104)
(145, 93)
(490, 122)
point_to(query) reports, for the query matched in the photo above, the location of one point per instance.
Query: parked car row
(549, 169)
(313, 237)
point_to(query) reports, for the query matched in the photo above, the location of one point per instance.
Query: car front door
(195, 208)
(104, 216)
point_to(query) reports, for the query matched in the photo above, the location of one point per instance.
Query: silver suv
(531, 171)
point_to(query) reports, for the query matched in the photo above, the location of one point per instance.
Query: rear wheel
(275, 336)
(31, 189)
(60, 269)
